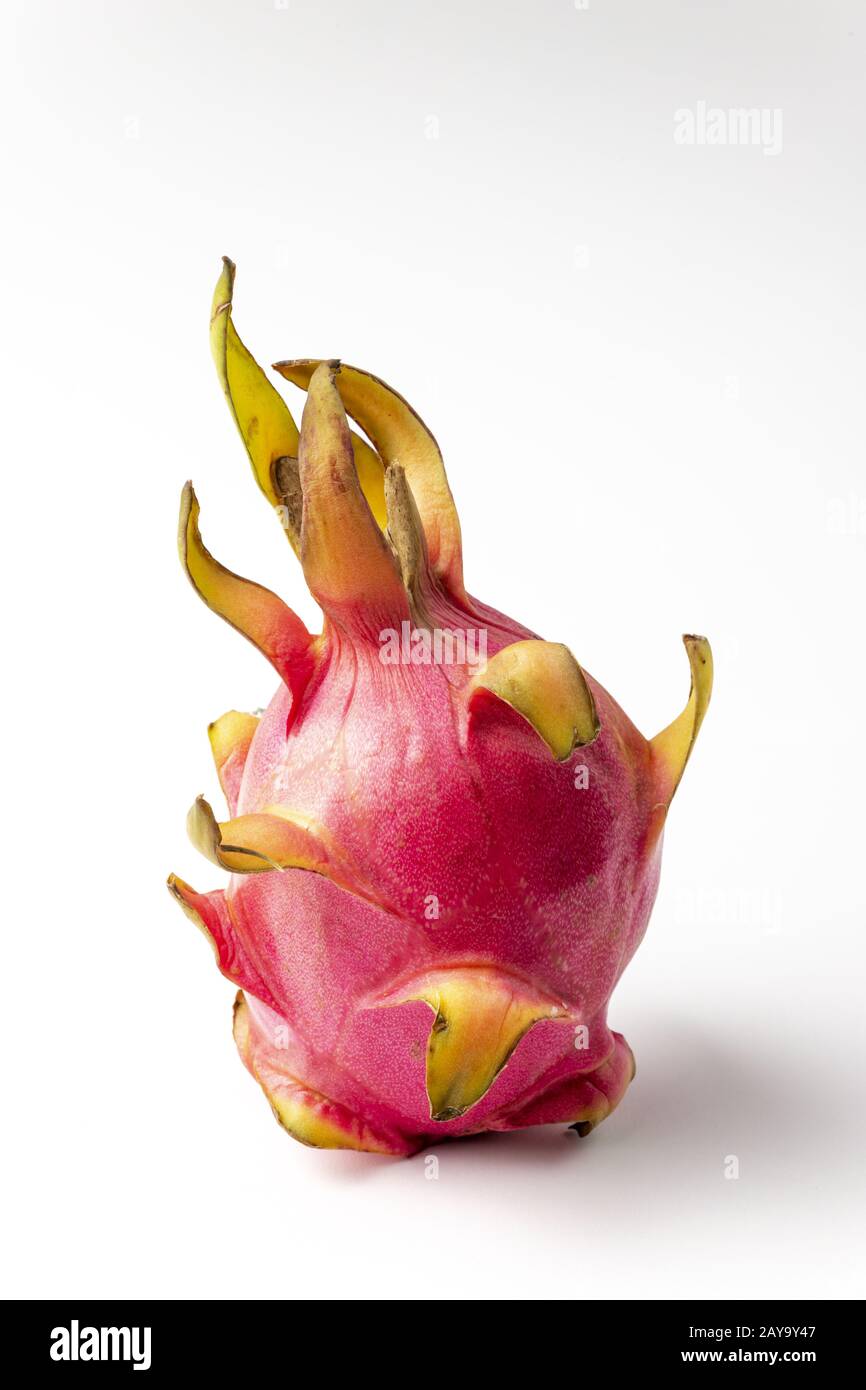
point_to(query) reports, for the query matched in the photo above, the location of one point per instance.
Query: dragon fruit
(444, 836)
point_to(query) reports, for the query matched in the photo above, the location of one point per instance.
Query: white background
(645, 364)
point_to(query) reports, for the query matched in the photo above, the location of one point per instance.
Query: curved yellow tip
(260, 413)
(671, 749)
(544, 683)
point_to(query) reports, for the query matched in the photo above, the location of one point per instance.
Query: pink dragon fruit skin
(441, 859)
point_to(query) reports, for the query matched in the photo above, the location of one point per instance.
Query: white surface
(645, 364)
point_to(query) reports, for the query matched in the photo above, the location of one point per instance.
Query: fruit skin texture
(441, 858)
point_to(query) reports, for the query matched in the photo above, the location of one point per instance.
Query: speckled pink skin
(546, 881)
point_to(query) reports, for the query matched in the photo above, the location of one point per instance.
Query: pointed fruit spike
(399, 435)
(262, 416)
(543, 682)
(209, 912)
(347, 563)
(306, 1114)
(230, 738)
(260, 615)
(580, 1101)
(274, 838)
(672, 748)
(254, 843)
(480, 1015)
(287, 484)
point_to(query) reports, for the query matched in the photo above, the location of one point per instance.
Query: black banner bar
(155, 1338)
